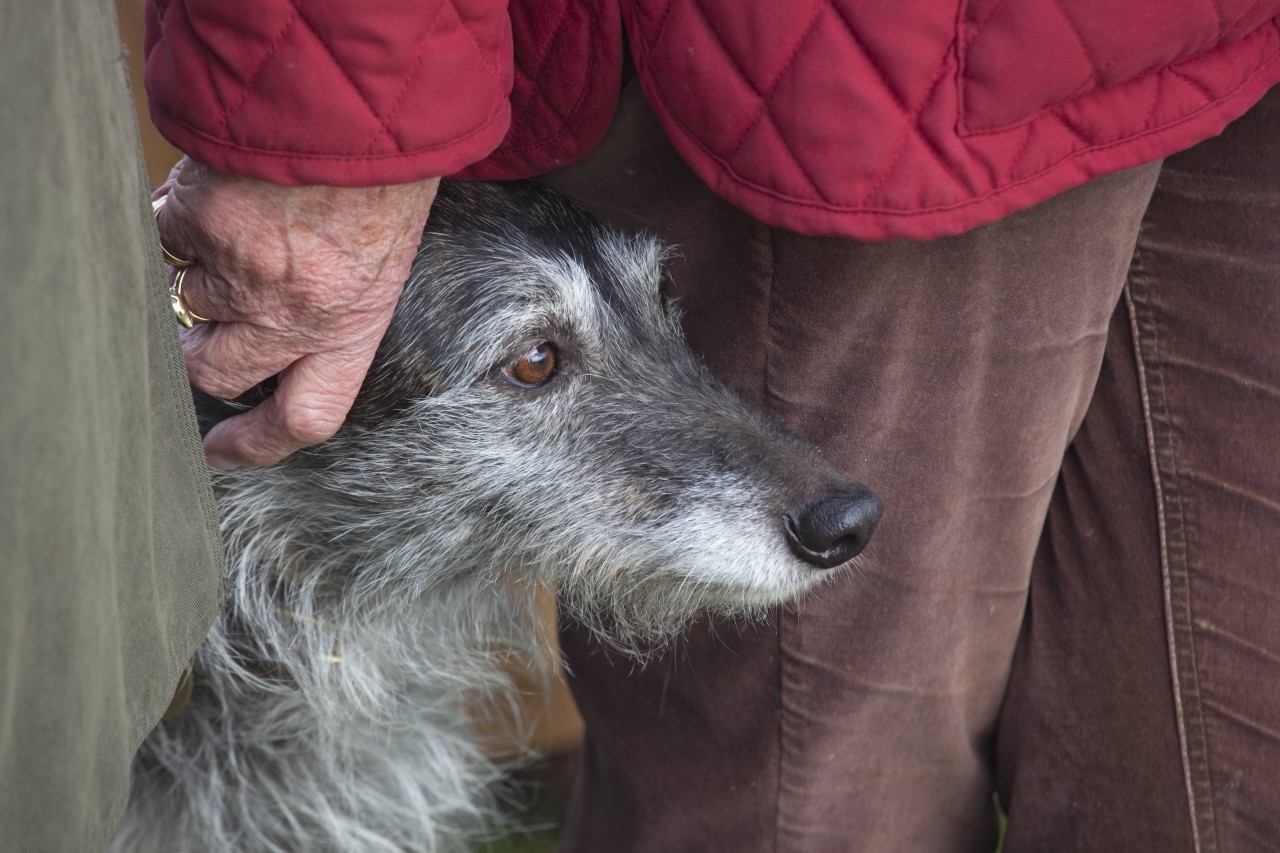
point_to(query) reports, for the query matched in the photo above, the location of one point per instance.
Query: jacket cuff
(293, 168)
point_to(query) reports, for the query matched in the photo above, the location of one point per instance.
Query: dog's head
(533, 408)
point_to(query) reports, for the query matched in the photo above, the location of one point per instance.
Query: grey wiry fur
(407, 545)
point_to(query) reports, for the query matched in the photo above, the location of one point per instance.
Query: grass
(1002, 821)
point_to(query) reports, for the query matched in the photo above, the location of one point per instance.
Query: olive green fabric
(110, 566)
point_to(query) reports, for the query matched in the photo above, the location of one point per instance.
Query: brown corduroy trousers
(1073, 418)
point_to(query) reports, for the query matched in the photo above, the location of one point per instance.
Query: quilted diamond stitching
(746, 80)
(404, 87)
(383, 121)
(1070, 127)
(1199, 87)
(364, 99)
(1072, 28)
(161, 11)
(729, 57)
(1248, 11)
(910, 114)
(252, 80)
(1056, 106)
(530, 82)
(1156, 91)
(1219, 20)
(899, 100)
(909, 129)
(532, 79)
(975, 29)
(566, 127)
(484, 57)
(557, 30)
(1095, 68)
(663, 17)
(1017, 155)
(542, 100)
(800, 167)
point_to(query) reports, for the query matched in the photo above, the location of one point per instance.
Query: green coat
(110, 565)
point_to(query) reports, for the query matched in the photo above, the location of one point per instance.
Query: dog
(532, 416)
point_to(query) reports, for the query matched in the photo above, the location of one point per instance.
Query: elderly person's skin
(300, 283)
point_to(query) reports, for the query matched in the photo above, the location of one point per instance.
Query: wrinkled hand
(300, 282)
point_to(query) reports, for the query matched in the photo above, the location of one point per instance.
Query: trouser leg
(1142, 711)
(110, 565)
(949, 376)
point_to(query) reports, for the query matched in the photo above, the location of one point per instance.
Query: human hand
(300, 283)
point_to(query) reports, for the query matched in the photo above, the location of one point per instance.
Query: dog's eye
(535, 367)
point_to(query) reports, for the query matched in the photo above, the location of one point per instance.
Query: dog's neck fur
(390, 761)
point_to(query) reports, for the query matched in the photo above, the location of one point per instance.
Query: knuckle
(305, 425)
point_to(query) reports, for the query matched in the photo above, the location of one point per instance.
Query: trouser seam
(1169, 503)
(767, 399)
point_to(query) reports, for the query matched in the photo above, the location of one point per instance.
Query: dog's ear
(210, 410)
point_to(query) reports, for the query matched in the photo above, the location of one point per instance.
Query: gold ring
(169, 257)
(186, 316)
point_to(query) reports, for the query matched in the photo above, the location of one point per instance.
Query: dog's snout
(834, 529)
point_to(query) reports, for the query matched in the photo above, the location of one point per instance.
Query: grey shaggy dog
(532, 416)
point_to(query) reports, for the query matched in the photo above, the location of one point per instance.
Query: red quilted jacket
(864, 118)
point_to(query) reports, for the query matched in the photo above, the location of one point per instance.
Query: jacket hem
(819, 218)
(296, 168)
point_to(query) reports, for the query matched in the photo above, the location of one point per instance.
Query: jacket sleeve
(330, 91)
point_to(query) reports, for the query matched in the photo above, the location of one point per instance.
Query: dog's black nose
(835, 529)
